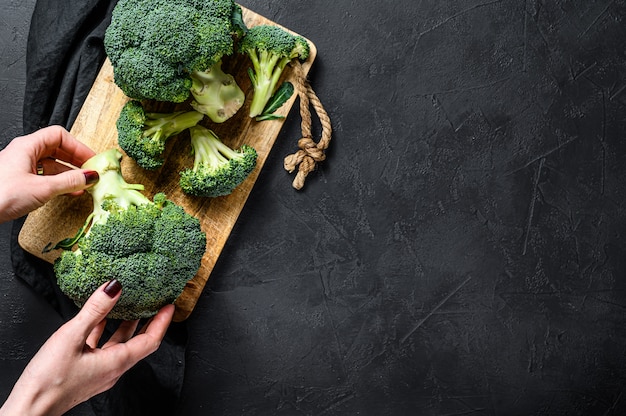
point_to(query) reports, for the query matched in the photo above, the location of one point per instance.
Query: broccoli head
(270, 49)
(159, 50)
(153, 247)
(217, 169)
(143, 135)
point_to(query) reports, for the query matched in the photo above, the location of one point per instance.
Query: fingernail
(113, 288)
(91, 177)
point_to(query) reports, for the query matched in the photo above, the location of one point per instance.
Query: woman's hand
(30, 175)
(70, 368)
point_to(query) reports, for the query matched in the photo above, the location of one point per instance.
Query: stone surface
(461, 251)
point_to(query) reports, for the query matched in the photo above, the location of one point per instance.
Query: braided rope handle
(309, 153)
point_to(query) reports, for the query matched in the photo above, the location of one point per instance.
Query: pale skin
(70, 367)
(55, 151)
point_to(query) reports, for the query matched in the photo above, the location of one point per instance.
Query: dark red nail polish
(113, 288)
(91, 177)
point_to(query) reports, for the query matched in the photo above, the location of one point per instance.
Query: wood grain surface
(95, 126)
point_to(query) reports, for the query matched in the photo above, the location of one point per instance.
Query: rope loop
(310, 153)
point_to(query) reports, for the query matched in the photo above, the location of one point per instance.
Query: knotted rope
(310, 153)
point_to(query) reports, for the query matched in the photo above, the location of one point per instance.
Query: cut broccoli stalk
(152, 247)
(270, 48)
(217, 169)
(216, 94)
(267, 71)
(111, 188)
(143, 135)
(161, 126)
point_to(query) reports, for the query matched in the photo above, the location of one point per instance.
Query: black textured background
(460, 252)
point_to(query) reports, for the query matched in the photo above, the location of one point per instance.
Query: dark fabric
(64, 54)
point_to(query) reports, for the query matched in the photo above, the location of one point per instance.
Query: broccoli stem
(160, 126)
(216, 93)
(111, 186)
(268, 67)
(208, 149)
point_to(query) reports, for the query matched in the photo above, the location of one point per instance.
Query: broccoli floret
(159, 50)
(143, 135)
(270, 49)
(153, 247)
(217, 169)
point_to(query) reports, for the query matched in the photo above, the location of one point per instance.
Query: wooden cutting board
(95, 126)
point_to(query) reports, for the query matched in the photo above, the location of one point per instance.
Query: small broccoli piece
(153, 247)
(161, 49)
(143, 135)
(217, 169)
(270, 49)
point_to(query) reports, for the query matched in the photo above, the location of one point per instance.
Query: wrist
(27, 403)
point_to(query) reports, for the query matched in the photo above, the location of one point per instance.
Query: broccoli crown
(154, 45)
(274, 40)
(143, 135)
(270, 49)
(153, 247)
(217, 169)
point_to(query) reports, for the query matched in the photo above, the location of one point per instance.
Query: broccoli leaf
(284, 92)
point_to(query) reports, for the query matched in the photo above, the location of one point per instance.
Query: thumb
(98, 307)
(70, 181)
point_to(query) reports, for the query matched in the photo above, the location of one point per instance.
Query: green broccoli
(216, 94)
(270, 49)
(217, 169)
(143, 135)
(152, 247)
(165, 50)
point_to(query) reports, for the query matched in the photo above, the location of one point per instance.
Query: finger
(165, 313)
(97, 308)
(70, 181)
(124, 332)
(67, 148)
(94, 337)
(127, 354)
(57, 142)
(144, 327)
(151, 335)
(49, 166)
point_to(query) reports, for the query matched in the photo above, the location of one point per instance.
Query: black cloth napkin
(64, 54)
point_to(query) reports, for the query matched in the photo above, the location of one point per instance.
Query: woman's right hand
(70, 368)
